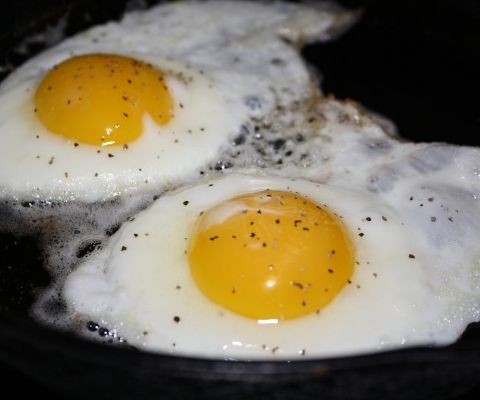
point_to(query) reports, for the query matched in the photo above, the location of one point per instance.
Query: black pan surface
(414, 62)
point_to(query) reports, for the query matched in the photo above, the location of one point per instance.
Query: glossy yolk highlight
(270, 255)
(100, 99)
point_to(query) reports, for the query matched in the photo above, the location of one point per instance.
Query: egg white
(141, 281)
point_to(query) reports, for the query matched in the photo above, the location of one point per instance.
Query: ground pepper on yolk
(100, 99)
(270, 255)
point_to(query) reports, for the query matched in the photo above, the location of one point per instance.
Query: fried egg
(145, 102)
(287, 225)
(249, 267)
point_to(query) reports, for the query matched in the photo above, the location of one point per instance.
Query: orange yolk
(270, 255)
(100, 99)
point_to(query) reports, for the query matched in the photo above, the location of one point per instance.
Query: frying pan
(414, 63)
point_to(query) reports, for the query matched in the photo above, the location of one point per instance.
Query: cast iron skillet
(407, 61)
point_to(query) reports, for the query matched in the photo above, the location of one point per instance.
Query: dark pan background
(412, 61)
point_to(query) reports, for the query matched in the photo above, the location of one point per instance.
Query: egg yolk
(100, 99)
(270, 255)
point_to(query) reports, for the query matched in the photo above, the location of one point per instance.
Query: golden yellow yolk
(100, 99)
(270, 255)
